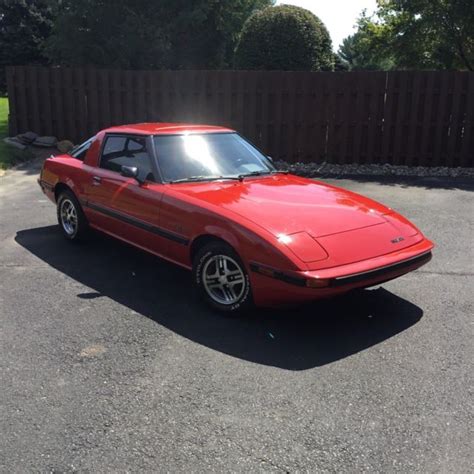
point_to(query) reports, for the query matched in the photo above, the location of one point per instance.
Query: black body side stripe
(138, 223)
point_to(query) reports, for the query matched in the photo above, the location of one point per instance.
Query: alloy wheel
(68, 215)
(224, 279)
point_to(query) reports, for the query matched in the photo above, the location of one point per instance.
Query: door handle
(96, 180)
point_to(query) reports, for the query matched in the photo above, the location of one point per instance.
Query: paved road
(107, 363)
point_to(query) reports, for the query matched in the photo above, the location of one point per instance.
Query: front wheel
(221, 279)
(71, 219)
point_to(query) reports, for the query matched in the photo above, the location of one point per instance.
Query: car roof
(165, 128)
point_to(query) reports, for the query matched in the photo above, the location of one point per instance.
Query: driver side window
(125, 150)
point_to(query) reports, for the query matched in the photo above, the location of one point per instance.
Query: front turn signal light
(266, 271)
(317, 283)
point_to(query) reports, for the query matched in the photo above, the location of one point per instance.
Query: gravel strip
(329, 169)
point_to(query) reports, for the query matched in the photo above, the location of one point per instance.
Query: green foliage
(284, 38)
(340, 64)
(369, 47)
(132, 34)
(142, 34)
(24, 26)
(431, 33)
(109, 33)
(8, 154)
(204, 33)
(4, 155)
(414, 34)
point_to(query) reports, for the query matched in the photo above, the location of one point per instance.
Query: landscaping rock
(13, 141)
(64, 146)
(46, 142)
(27, 138)
(312, 170)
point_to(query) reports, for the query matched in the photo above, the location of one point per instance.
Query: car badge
(398, 239)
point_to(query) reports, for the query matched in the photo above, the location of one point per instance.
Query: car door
(123, 206)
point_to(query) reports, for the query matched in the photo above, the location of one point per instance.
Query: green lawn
(3, 116)
(6, 157)
(8, 154)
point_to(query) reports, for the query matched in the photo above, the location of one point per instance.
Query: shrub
(284, 38)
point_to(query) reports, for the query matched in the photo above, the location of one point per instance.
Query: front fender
(251, 246)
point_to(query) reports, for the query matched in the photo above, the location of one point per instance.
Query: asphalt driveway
(108, 364)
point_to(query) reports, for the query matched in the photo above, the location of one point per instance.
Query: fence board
(104, 92)
(33, 99)
(411, 125)
(24, 119)
(467, 149)
(68, 106)
(442, 123)
(402, 141)
(411, 118)
(377, 90)
(456, 121)
(427, 124)
(358, 101)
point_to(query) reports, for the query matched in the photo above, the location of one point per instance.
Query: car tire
(71, 218)
(221, 279)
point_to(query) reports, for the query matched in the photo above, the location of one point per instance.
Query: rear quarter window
(80, 151)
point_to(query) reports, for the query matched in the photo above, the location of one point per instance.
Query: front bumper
(47, 188)
(383, 272)
(289, 287)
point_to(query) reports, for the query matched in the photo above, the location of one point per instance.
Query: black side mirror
(129, 172)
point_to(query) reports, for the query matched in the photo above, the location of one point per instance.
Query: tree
(24, 27)
(414, 34)
(204, 33)
(368, 48)
(109, 33)
(340, 64)
(432, 33)
(284, 38)
(142, 34)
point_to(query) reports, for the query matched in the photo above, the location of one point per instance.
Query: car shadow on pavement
(294, 339)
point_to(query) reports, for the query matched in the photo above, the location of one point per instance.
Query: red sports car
(205, 198)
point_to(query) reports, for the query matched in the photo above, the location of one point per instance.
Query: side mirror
(270, 158)
(129, 171)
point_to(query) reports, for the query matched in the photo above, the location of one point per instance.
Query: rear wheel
(221, 279)
(71, 219)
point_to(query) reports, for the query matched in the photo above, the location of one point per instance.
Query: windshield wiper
(261, 173)
(253, 173)
(240, 177)
(203, 178)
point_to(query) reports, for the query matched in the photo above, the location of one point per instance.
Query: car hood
(286, 204)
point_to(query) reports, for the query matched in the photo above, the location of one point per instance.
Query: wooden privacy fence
(405, 118)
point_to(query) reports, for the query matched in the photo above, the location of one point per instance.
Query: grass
(4, 148)
(8, 154)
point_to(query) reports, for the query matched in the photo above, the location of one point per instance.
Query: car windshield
(208, 156)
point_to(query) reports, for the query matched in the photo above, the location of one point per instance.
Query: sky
(339, 16)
